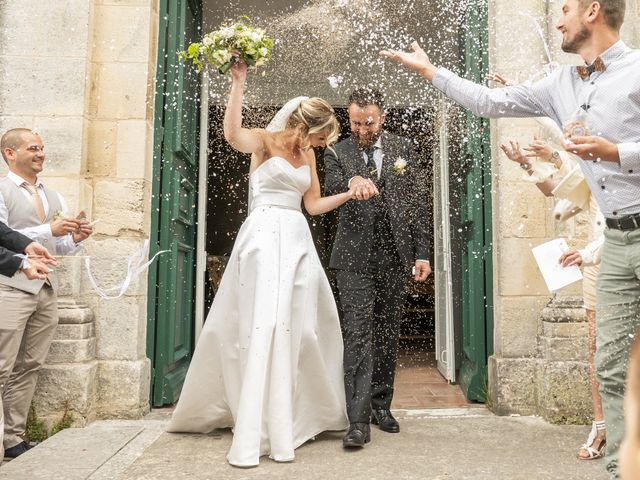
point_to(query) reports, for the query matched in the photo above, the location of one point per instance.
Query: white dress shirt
(611, 101)
(65, 244)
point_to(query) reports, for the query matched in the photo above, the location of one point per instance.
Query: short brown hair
(13, 139)
(366, 96)
(613, 11)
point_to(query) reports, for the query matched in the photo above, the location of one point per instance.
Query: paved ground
(452, 444)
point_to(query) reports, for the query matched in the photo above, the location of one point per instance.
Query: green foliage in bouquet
(225, 46)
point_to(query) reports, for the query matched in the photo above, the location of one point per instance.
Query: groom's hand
(422, 270)
(362, 188)
(416, 60)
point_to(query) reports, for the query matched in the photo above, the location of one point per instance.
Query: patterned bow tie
(597, 66)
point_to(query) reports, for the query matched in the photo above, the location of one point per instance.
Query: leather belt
(628, 222)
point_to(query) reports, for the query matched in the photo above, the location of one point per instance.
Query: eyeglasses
(35, 148)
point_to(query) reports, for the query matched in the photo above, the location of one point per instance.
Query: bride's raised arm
(244, 140)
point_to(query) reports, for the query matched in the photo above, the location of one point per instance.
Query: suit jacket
(405, 203)
(10, 243)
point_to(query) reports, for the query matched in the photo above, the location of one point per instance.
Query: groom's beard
(367, 140)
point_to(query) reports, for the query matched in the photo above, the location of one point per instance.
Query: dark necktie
(586, 71)
(371, 163)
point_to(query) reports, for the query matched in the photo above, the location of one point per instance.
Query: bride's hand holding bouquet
(225, 47)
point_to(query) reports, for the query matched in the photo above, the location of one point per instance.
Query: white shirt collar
(18, 180)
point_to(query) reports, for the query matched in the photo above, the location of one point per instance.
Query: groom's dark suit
(377, 243)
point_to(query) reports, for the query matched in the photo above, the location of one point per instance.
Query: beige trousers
(27, 325)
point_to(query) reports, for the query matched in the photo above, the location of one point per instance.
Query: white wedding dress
(269, 360)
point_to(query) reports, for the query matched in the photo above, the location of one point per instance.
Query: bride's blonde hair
(318, 117)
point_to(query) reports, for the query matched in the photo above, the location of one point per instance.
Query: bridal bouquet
(224, 47)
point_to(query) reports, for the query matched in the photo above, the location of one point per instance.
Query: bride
(269, 360)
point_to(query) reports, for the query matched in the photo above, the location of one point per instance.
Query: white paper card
(555, 275)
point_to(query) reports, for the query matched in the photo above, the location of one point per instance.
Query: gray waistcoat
(22, 214)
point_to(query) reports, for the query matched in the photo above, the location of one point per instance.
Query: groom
(378, 243)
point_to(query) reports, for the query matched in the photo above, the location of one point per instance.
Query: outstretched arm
(314, 202)
(526, 100)
(244, 140)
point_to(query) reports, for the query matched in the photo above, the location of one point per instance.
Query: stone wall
(81, 73)
(539, 364)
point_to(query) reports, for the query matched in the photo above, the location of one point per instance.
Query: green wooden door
(171, 309)
(477, 266)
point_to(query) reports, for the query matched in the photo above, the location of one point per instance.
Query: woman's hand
(239, 72)
(540, 149)
(570, 258)
(513, 152)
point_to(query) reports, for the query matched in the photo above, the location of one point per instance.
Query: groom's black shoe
(358, 435)
(385, 421)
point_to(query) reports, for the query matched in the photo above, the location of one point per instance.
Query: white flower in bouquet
(224, 47)
(399, 166)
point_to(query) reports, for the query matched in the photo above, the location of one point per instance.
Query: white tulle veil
(279, 122)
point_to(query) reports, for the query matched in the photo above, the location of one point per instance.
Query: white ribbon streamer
(135, 267)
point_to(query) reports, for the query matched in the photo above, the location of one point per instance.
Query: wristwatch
(525, 166)
(555, 158)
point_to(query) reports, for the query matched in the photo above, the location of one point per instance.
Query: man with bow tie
(378, 243)
(605, 95)
(29, 307)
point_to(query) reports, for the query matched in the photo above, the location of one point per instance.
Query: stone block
(14, 120)
(524, 57)
(72, 351)
(131, 151)
(565, 392)
(69, 312)
(518, 273)
(118, 41)
(565, 329)
(121, 328)
(75, 383)
(58, 88)
(123, 90)
(120, 206)
(101, 156)
(530, 7)
(564, 309)
(513, 386)
(518, 326)
(557, 349)
(123, 388)
(23, 35)
(63, 140)
(74, 331)
(70, 274)
(523, 211)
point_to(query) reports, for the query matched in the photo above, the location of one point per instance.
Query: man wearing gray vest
(29, 307)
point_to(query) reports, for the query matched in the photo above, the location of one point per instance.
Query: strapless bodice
(277, 183)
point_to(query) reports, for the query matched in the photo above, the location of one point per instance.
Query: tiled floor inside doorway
(419, 384)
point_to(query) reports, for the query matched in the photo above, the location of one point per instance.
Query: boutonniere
(399, 166)
(57, 215)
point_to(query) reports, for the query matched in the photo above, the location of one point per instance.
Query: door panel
(171, 285)
(477, 266)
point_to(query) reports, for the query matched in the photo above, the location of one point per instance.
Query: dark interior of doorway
(227, 202)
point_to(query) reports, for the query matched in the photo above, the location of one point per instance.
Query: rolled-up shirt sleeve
(629, 157)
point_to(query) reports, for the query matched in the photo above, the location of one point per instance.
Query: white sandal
(588, 445)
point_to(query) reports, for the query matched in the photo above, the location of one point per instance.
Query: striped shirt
(608, 102)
